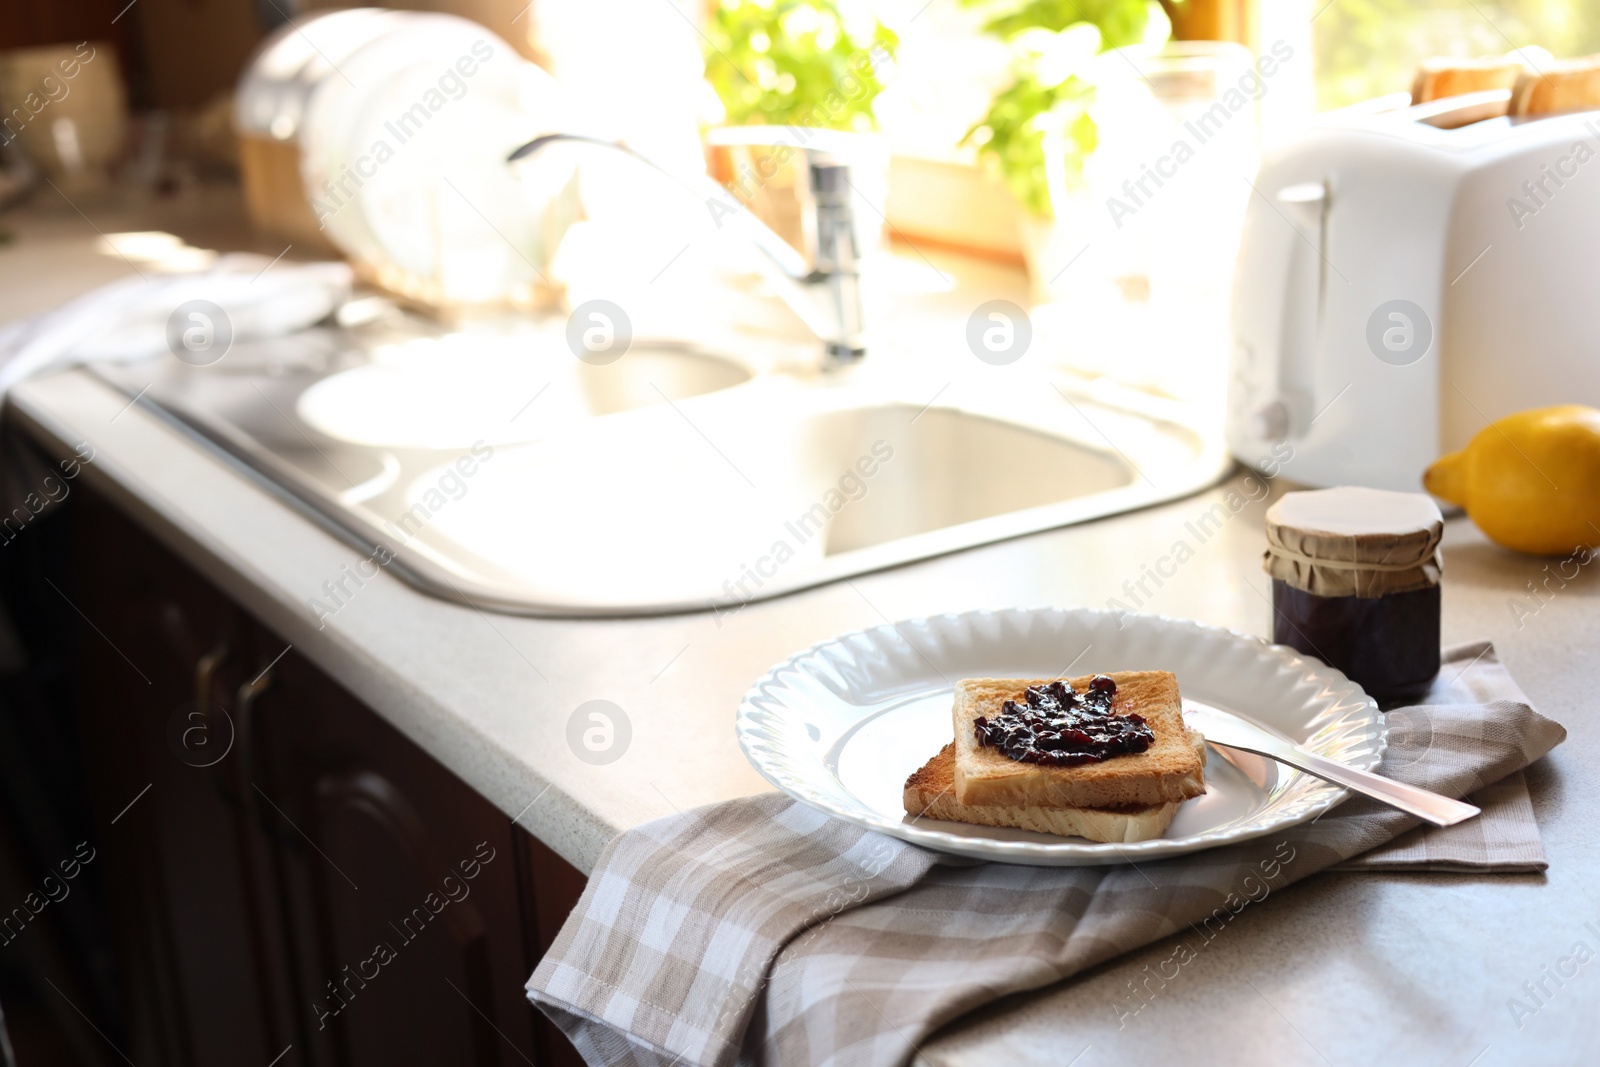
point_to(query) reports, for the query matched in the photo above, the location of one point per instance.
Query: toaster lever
(1308, 197)
(1305, 207)
(1278, 311)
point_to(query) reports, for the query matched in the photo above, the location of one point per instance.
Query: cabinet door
(160, 751)
(550, 890)
(293, 877)
(407, 877)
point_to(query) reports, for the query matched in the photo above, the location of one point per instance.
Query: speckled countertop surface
(1344, 969)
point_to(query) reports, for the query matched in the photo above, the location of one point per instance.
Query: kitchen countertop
(1344, 968)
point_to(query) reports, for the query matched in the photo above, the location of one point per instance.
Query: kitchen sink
(498, 470)
(950, 468)
(449, 392)
(736, 505)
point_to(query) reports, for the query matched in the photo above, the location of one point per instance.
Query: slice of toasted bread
(1567, 85)
(1442, 77)
(930, 794)
(1171, 769)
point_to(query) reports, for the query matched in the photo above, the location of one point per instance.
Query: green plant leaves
(1121, 22)
(796, 62)
(1012, 136)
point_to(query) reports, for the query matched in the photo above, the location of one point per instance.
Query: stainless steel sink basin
(950, 468)
(505, 473)
(448, 393)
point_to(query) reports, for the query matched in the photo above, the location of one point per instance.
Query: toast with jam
(1106, 757)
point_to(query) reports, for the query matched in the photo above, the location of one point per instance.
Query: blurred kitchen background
(1015, 149)
(1006, 131)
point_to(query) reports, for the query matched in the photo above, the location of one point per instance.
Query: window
(1367, 48)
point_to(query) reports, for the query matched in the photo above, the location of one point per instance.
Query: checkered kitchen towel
(761, 931)
(1505, 838)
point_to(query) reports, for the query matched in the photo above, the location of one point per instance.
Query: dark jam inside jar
(1389, 645)
(1059, 727)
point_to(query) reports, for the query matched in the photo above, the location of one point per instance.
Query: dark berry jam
(1060, 727)
(1388, 645)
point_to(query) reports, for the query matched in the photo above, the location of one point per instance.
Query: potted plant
(1040, 128)
(807, 72)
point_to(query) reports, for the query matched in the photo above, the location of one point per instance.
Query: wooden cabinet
(288, 875)
(177, 877)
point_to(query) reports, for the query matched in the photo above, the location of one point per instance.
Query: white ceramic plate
(841, 725)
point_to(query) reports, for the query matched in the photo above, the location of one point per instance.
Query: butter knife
(1230, 730)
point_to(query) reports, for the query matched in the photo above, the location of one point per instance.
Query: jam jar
(1355, 583)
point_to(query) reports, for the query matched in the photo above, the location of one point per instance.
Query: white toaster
(1407, 276)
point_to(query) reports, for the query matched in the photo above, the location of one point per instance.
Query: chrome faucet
(824, 292)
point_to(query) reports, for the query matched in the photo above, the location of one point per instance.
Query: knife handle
(1437, 809)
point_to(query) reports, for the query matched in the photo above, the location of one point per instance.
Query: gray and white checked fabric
(761, 931)
(1505, 838)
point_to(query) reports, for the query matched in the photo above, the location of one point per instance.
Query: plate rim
(1325, 797)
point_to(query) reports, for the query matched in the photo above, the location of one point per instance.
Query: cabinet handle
(245, 707)
(205, 679)
(205, 673)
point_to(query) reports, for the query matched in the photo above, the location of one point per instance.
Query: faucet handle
(832, 233)
(836, 259)
(824, 156)
(827, 220)
(825, 291)
(830, 180)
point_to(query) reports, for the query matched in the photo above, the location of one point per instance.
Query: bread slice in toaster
(1567, 85)
(1442, 77)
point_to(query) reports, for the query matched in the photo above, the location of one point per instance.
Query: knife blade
(1233, 731)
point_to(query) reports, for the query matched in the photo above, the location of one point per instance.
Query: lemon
(1531, 481)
